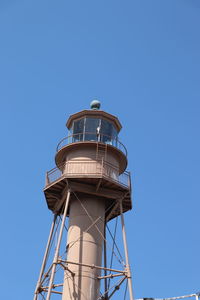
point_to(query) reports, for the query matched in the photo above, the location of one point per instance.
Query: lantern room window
(78, 129)
(93, 129)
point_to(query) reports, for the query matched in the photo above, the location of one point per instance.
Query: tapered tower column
(84, 246)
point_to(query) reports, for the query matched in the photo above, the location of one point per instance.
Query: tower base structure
(79, 261)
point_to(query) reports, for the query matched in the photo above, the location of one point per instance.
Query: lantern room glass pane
(114, 136)
(91, 126)
(106, 131)
(78, 130)
(114, 132)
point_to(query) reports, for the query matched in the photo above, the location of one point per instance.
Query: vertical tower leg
(45, 257)
(105, 264)
(55, 260)
(126, 253)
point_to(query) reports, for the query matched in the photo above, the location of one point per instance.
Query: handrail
(84, 137)
(93, 168)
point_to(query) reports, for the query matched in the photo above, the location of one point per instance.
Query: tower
(89, 187)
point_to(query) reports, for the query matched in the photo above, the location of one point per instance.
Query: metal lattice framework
(50, 281)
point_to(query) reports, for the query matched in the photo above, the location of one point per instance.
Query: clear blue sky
(141, 58)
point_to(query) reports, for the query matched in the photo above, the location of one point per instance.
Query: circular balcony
(94, 178)
(91, 137)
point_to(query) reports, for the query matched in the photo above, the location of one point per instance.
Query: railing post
(47, 179)
(129, 179)
(128, 174)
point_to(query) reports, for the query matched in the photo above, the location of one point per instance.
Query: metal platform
(94, 178)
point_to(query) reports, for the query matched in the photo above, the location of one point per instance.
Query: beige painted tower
(90, 186)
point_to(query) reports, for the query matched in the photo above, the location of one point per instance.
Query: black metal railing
(92, 137)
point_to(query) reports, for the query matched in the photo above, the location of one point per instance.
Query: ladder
(101, 156)
(101, 151)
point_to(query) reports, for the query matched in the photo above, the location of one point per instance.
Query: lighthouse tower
(88, 188)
